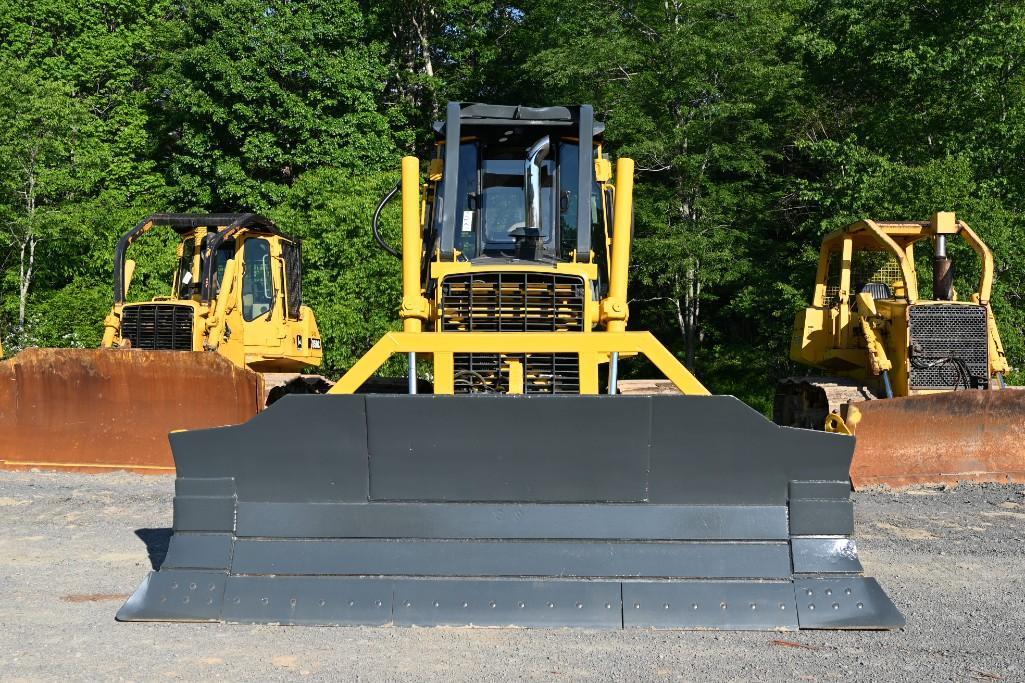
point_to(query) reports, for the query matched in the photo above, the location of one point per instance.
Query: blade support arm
(444, 344)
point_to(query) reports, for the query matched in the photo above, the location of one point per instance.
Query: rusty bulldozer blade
(940, 439)
(103, 409)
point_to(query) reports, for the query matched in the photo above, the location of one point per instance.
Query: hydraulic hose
(377, 218)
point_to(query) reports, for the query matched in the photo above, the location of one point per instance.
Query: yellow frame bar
(589, 345)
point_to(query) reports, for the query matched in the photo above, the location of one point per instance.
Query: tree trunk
(692, 309)
(28, 239)
(28, 262)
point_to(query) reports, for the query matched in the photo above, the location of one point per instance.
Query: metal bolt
(264, 600)
(174, 585)
(493, 605)
(522, 605)
(352, 603)
(407, 603)
(185, 599)
(808, 591)
(292, 602)
(580, 605)
(861, 605)
(637, 605)
(212, 587)
(608, 605)
(829, 591)
(694, 606)
(437, 604)
(209, 601)
(551, 605)
(378, 603)
(847, 591)
(666, 606)
(163, 598)
(238, 600)
(192, 586)
(322, 603)
(836, 605)
(811, 607)
(754, 606)
(465, 605)
(782, 606)
(722, 605)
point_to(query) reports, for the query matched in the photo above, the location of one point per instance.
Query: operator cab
(520, 179)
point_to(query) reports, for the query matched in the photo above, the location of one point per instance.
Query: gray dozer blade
(599, 512)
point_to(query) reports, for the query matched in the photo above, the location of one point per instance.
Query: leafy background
(757, 126)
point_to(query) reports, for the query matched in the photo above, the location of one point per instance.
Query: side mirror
(129, 273)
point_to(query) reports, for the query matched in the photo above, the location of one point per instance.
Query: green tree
(252, 94)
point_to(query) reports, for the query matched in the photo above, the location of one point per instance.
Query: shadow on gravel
(156, 541)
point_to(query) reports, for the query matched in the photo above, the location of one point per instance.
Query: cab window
(257, 281)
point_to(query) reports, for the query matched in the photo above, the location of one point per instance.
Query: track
(72, 547)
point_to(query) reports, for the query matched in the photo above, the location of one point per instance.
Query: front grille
(949, 346)
(158, 326)
(543, 373)
(512, 302)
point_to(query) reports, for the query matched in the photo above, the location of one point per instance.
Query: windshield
(504, 205)
(189, 284)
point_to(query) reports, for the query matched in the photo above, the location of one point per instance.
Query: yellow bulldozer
(232, 329)
(919, 381)
(525, 490)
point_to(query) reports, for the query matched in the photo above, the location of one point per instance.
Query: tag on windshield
(467, 221)
(187, 277)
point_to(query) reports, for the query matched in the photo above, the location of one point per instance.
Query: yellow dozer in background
(919, 381)
(525, 490)
(232, 328)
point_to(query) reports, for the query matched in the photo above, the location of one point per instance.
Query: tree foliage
(757, 125)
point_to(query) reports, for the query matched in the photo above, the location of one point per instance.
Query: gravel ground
(72, 549)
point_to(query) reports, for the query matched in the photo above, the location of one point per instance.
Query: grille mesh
(543, 373)
(948, 331)
(512, 302)
(158, 326)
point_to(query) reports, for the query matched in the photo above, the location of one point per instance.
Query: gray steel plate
(198, 551)
(730, 605)
(849, 603)
(308, 600)
(204, 513)
(588, 604)
(510, 520)
(365, 557)
(817, 555)
(176, 595)
(810, 517)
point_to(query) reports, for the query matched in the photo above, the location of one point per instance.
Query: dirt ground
(72, 548)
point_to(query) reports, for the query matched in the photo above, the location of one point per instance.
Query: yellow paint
(415, 308)
(874, 336)
(273, 342)
(583, 343)
(603, 323)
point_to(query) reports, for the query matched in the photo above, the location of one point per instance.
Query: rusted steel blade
(100, 409)
(941, 439)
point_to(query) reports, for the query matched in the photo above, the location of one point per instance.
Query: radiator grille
(512, 302)
(543, 373)
(949, 346)
(158, 326)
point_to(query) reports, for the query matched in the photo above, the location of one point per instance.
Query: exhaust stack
(942, 266)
